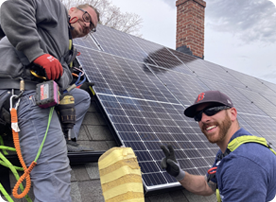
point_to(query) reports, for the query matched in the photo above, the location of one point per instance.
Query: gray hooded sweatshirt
(33, 28)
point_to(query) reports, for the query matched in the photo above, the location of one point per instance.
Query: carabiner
(11, 98)
(17, 103)
(212, 170)
(22, 88)
(211, 173)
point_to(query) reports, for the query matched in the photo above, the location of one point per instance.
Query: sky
(239, 34)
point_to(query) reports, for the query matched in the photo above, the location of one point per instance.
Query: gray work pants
(51, 176)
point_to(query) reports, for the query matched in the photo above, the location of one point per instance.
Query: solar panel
(175, 81)
(144, 88)
(251, 82)
(270, 85)
(87, 41)
(224, 74)
(264, 125)
(263, 103)
(241, 102)
(157, 53)
(119, 76)
(244, 124)
(145, 114)
(198, 67)
(118, 43)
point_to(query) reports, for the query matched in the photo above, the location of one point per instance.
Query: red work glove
(51, 65)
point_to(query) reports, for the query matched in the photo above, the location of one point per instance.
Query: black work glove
(170, 163)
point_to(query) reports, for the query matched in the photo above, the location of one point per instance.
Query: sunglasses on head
(209, 111)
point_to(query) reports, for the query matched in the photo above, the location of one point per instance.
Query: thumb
(164, 163)
(165, 150)
(173, 164)
(48, 73)
(53, 71)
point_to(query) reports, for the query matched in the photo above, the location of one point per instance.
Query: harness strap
(235, 143)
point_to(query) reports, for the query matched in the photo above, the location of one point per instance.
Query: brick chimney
(190, 27)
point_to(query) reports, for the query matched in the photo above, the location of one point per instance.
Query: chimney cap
(200, 2)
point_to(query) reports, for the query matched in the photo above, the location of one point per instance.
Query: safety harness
(234, 144)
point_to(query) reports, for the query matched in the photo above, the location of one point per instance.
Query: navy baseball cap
(208, 97)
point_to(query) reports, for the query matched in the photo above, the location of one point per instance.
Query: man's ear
(233, 113)
(71, 10)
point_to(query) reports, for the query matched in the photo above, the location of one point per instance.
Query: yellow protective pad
(120, 176)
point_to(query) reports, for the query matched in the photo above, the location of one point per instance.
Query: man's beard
(223, 129)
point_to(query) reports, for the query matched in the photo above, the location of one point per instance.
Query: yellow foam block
(111, 176)
(120, 176)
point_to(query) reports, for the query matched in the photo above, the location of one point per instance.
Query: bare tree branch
(111, 15)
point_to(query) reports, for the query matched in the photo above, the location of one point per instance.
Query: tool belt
(7, 84)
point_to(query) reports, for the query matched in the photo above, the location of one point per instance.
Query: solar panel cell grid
(157, 53)
(271, 98)
(260, 101)
(118, 43)
(270, 85)
(264, 125)
(197, 66)
(142, 83)
(251, 82)
(223, 73)
(244, 124)
(87, 42)
(143, 156)
(175, 81)
(154, 179)
(241, 102)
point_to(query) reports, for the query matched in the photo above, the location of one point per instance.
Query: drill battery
(47, 94)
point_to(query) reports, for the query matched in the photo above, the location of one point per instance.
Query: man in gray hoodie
(37, 32)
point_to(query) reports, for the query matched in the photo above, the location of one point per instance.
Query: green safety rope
(5, 162)
(43, 141)
(2, 143)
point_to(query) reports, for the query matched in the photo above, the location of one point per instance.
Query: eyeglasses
(209, 111)
(87, 18)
